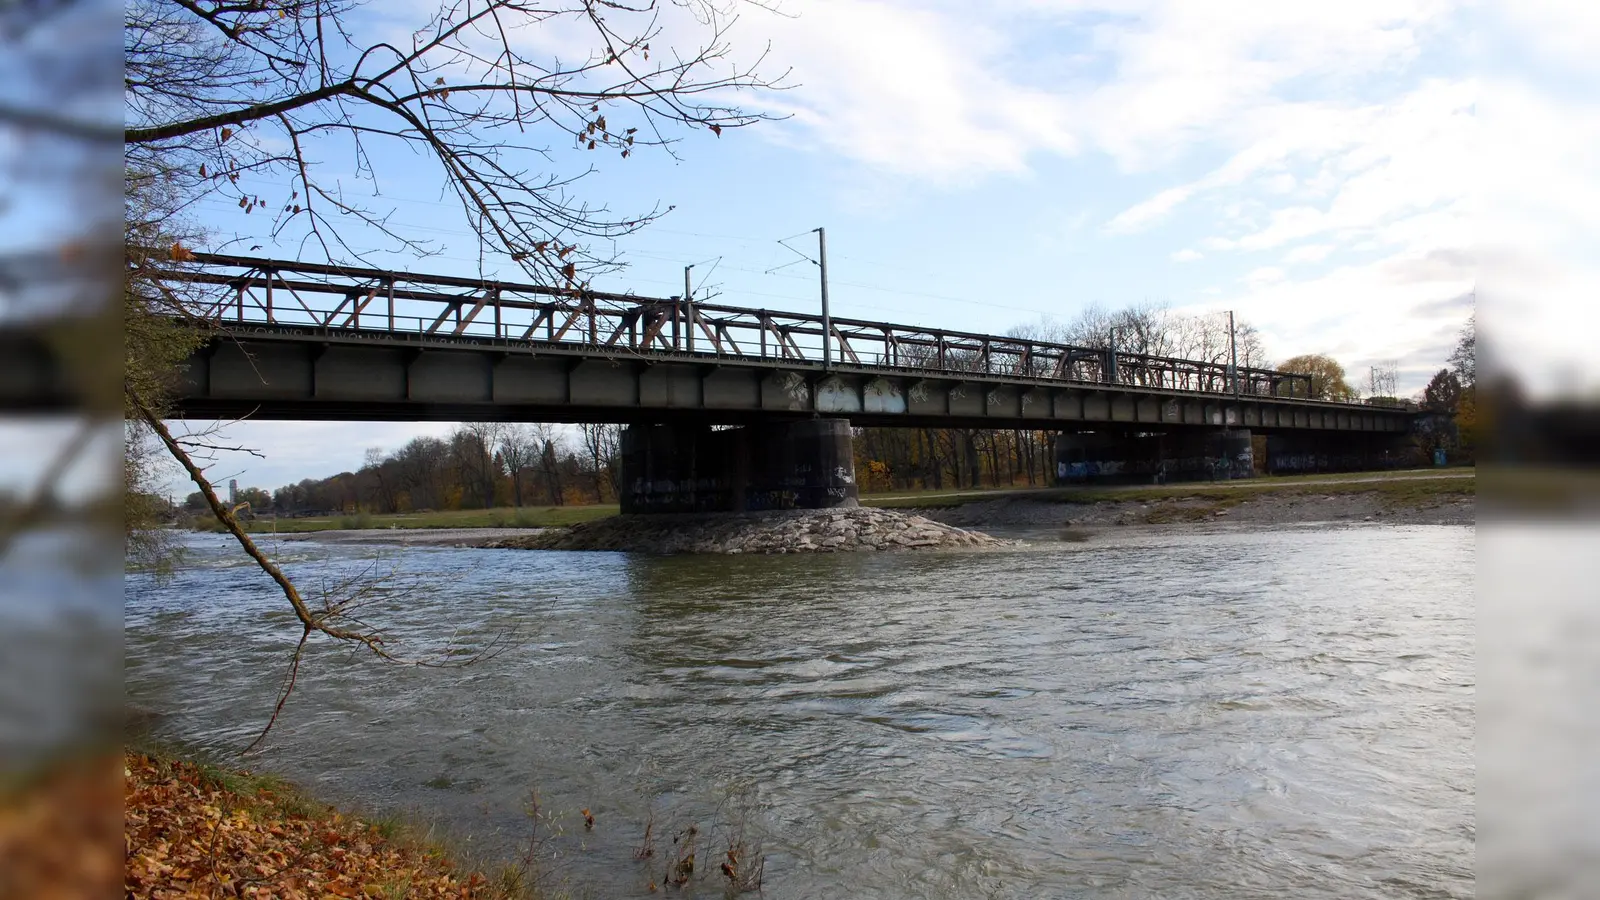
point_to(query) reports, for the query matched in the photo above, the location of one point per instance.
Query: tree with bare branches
(546, 437)
(223, 95)
(518, 451)
(473, 446)
(601, 441)
(1383, 381)
(509, 101)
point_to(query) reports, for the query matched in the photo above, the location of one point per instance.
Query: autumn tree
(1464, 366)
(1443, 392)
(1327, 376)
(421, 470)
(1464, 358)
(518, 451)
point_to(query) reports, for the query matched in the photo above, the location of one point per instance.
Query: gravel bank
(792, 531)
(869, 528)
(1256, 512)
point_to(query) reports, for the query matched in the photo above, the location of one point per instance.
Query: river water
(1285, 713)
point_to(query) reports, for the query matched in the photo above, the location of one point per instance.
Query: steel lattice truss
(438, 307)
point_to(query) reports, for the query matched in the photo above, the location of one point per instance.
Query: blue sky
(981, 169)
(1320, 169)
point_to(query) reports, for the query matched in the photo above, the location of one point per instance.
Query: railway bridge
(728, 406)
(310, 341)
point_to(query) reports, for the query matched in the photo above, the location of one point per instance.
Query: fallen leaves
(187, 835)
(58, 832)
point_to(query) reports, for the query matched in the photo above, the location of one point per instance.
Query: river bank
(777, 532)
(958, 521)
(789, 531)
(196, 830)
(1223, 507)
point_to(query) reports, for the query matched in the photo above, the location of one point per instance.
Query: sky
(1347, 177)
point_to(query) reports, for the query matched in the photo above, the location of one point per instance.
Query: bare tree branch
(216, 88)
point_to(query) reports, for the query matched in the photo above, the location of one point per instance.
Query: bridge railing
(238, 291)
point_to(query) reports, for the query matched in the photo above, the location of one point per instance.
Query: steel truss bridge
(314, 341)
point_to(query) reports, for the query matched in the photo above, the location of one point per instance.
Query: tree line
(488, 465)
(889, 459)
(1153, 329)
(478, 465)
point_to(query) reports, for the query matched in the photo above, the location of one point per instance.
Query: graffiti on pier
(761, 501)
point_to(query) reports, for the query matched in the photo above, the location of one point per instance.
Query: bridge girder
(286, 373)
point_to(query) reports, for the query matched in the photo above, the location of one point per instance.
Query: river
(1283, 713)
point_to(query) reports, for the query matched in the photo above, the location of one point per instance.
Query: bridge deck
(437, 307)
(308, 341)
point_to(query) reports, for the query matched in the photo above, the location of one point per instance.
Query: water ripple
(1226, 715)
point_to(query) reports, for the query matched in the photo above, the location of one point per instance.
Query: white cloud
(1541, 195)
(951, 92)
(1190, 73)
(1308, 253)
(1264, 276)
(1322, 134)
(1335, 313)
(1136, 218)
(910, 91)
(1370, 164)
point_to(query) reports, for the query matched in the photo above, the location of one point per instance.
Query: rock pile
(789, 531)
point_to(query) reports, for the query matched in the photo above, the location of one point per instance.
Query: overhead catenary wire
(776, 272)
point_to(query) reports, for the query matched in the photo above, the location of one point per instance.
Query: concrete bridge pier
(1289, 454)
(1129, 457)
(802, 464)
